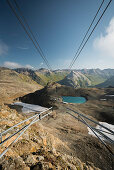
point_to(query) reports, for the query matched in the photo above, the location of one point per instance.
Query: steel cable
(24, 27)
(87, 31)
(79, 51)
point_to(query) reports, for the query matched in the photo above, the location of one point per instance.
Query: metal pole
(91, 120)
(103, 131)
(23, 121)
(25, 128)
(97, 136)
(105, 136)
(83, 121)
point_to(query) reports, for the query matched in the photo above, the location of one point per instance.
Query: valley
(59, 141)
(74, 78)
(56, 85)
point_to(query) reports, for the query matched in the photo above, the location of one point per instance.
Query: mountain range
(14, 84)
(108, 83)
(74, 78)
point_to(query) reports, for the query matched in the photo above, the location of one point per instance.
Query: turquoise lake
(70, 99)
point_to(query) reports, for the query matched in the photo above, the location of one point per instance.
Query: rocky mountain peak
(75, 79)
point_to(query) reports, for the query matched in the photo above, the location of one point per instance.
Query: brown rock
(30, 160)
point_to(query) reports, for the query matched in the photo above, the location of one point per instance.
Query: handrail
(97, 135)
(97, 130)
(91, 120)
(93, 130)
(5, 131)
(24, 129)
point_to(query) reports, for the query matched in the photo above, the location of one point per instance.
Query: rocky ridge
(13, 84)
(36, 149)
(108, 83)
(75, 79)
(84, 77)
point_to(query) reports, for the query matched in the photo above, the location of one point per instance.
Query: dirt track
(75, 135)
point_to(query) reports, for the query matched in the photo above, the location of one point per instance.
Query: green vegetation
(26, 78)
(88, 78)
(52, 77)
(95, 79)
(108, 83)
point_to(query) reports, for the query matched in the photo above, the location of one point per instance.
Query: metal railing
(80, 114)
(35, 118)
(81, 117)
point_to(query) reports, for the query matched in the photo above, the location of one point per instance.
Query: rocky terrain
(75, 79)
(106, 73)
(98, 76)
(58, 141)
(51, 94)
(108, 83)
(13, 84)
(47, 96)
(30, 73)
(42, 76)
(38, 148)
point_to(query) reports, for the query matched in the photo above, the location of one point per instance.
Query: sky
(59, 26)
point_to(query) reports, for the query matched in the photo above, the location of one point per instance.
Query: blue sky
(59, 26)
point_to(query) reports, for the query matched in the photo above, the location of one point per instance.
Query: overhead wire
(39, 48)
(30, 30)
(80, 49)
(35, 42)
(87, 31)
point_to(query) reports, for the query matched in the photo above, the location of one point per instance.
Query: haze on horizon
(59, 27)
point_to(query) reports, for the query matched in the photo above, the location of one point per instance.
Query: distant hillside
(32, 74)
(13, 83)
(106, 73)
(51, 76)
(95, 79)
(107, 83)
(82, 78)
(75, 79)
(42, 76)
(47, 95)
(97, 76)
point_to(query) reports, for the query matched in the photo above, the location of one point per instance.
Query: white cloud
(105, 44)
(13, 65)
(3, 48)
